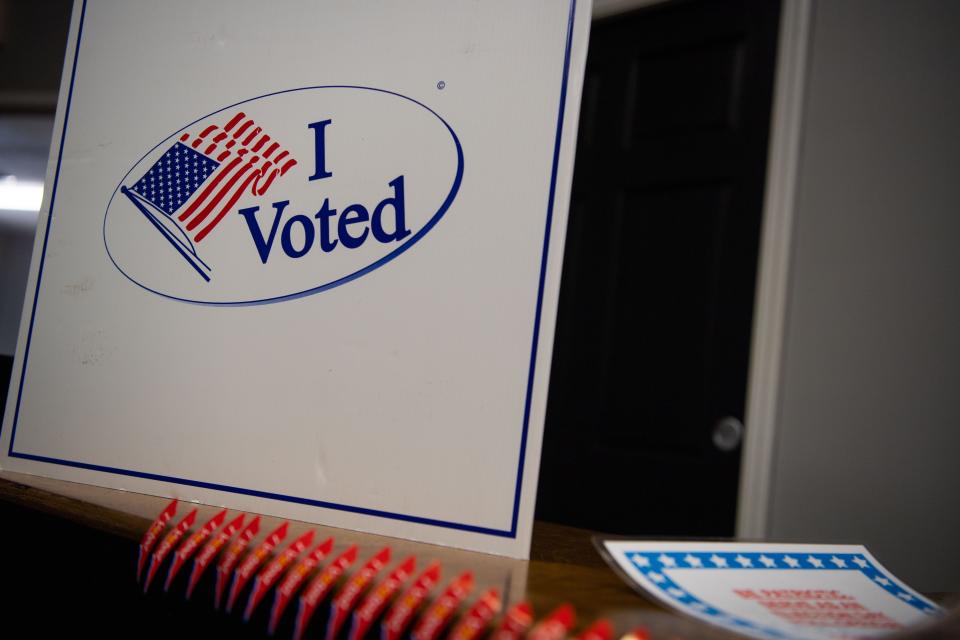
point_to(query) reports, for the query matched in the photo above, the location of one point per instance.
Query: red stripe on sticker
(222, 172)
(226, 208)
(262, 141)
(249, 138)
(224, 191)
(234, 120)
(239, 132)
(271, 176)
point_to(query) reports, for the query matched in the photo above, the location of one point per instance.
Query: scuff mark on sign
(77, 288)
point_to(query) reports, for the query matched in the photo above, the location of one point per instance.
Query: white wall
(867, 433)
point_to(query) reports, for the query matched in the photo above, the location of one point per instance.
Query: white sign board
(303, 258)
(774, 591)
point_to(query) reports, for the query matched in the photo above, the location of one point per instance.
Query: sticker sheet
(773, 591)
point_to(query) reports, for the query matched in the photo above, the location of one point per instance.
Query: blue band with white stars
(656, 565)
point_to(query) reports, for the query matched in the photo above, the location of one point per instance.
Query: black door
(656, 302)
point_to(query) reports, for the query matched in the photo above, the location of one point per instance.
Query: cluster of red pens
(357, 597)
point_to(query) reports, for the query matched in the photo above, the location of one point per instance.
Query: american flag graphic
(197, 181)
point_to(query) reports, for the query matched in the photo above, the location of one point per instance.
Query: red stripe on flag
(239, 132)
(209, 188)
(257, 189)
(232, 178)
(253, 134)
(197, 219)
(234, 120)
(233, 200)
(262, 141)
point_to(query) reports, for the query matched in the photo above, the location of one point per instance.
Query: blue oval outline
(333, 283)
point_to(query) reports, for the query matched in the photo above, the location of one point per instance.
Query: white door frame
(773, 271)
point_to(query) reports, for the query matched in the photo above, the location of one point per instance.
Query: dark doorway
(656, 302)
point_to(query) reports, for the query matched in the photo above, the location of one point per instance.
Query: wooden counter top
(564, 567)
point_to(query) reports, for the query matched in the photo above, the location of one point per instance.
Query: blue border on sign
(656, 566)
(503, 533)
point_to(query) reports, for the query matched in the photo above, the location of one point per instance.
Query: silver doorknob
(727, 433)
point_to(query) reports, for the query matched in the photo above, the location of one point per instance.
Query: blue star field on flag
(175, 177)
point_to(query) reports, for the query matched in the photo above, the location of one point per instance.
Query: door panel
(656, 300)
